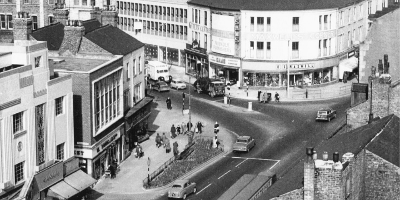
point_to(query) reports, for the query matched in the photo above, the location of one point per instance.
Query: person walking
(276, 97)
(183, 127)
(138, 151)
(168, 101)
(199, 127)
(112, 170)
(178, 129)
(175, 148)
(264, 97)
(216, 128)
(258, 95)
(164, 139)
(189, 126)
(115, 167)
(173, 135)
(167, 146)
(158, 140)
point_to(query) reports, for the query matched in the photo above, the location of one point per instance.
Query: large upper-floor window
(19, 172)
(18, 122)
(251, 23)
(59, 106)
(34, 22)
(107, 100)
(195, 15)
(296, 21)
(6, 21)
(60, 151)
(205, 18)
(137, 93)
(268, 24)
(260, 50)
(295, 49)
(260, 24)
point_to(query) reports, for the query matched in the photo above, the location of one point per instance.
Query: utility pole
(190, 113)
(287, 67)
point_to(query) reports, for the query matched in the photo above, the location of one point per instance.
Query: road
(282, 131)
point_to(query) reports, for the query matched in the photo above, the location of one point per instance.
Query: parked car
(181, 189)
(178, 84)
(161, 86)
(244, 143)
(326, 114)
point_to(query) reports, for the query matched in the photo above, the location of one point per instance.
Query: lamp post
(148, 170)
(287, 68)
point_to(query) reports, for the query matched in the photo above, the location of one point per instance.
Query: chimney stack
(96, 14)
(73, 33)
(328, 177)
(22, 26)
(335, 157)
(348, 157)
(309, 168)
(61, 15)
(109, 15)
(325, 156)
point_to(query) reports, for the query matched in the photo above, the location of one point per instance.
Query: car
(178, 84)
(181, 189)
(161, 86)
(244, 143)
(326, 114)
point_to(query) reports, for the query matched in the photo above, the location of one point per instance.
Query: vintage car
(326, 114)
(181, 189)
(244, 143)
(178, 84)
(161, 86)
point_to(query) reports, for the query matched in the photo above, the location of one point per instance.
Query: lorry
(211, 87)
(156, 71)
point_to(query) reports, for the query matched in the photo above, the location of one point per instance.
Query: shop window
(19, 172)
(260, 24)
(18, 122)
(205, 18)
(295, 49)
(268, 24)
(60, 151)
(295, 25)
(268, 56)
(260, 50)
(59, 106)
(251, 23)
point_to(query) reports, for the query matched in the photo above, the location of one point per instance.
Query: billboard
(223, 38)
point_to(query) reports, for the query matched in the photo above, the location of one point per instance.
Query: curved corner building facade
(273, 43)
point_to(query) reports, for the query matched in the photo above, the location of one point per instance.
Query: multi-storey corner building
(36, 110)
(271, 44)
(161, 25)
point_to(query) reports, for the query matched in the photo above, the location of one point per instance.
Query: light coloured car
(178, 84)
(244, 143)
(326, 114)
(181, 189)
(161, 86)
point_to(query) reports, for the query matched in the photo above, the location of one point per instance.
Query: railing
(314, 93)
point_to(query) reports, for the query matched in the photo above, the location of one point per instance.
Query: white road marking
(257, 159)
(240, 163)
(274, 165)
(224, 174)
(237, 135)
(203, 188)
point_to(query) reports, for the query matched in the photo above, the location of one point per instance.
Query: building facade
(36, 110)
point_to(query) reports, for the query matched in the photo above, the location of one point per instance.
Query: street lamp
(287, 68)
(148, 170)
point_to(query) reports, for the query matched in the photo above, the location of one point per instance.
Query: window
(205, 41)
(6, 21)
(134, 67)
(348, 39)
(320, 22)
(185, 13)
(160, 10)
(51, 19)
(137, 95)
(295, 27)
(205, 18)
(136, 7)
(185, 30)
(34, 23)
(76, 2)
(330, 24)
(354, 13)
(268, 50)
(60, 151)
(349, 15)
(260, 50)
(107, 104)
(176, 12)
(195, 15)
(341, 19)
(268, 24)
(3, 22)
(84, 2)
(369, 7)
(148, 8)
(176, 29)
(325, 22)
(139, 66)
(19, 171)
(251, 49)
(181, 29)
(295, 49)
(156, 10)
(172, 12)
(329, 47)
(360, 33)
(18, 122)
(164, 10)
(168, 11)
(260, 24)
(360, 13)
(325, 50)
(251, 23)
(59, 106)
(199, 17)
(148, 26)
(168, 28)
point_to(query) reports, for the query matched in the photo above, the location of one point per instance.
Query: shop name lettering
(197, 27)
(79, 153)
(223, 34)
(295, 66)
(51, 176)
(221, 46)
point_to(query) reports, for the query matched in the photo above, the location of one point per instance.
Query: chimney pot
(325, 156)
(309, 151)
(315, 156)
(336, 157)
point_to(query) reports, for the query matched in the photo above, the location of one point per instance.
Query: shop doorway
(296, 80)
(232, 76)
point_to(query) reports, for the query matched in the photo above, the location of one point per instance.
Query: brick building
(369, 168)
(36, 111)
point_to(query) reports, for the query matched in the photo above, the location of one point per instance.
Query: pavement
(129, 180)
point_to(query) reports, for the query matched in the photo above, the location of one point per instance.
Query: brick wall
(357, 172)
(382, 178)
(309, 179)
(292, 195)
(395, 99)
(88, 46)
(72, 40)
(328, 184)
(109, 17)
(22, 28)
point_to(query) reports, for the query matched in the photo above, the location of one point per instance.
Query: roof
(78, 64)
(273, 4)
(114, 40)
(370, 137)
(91, 25)
(52, 34)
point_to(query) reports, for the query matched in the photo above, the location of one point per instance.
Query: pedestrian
(173, 135)
(264, 97)
(229, 99)
(138, 151)
(189, 126)
(258, 95)
(158, 140)
(115, 167)
(183, 127)
(216, 142)
(178, 129)
(168, 101)
(276, 97)
(247, 90)
(112, 171)
(150, 88)
(175, 148)
(216, 128)
(199, 127)
(163, 139)
(167, 146)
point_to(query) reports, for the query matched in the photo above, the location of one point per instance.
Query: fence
(323, 93)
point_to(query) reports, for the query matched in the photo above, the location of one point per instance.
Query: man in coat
(167, 146)
(173, 135)
(158, 140)
(163, 139)
(189, 126)
(199, 126)
(168, 101)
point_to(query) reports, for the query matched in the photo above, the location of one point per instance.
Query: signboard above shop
(224, 61)
(49, 176)
(223, 39)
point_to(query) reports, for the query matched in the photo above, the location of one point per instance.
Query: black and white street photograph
(199, 99)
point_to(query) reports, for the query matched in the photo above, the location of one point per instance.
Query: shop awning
(138, 106)
(62, 190)
(79, 180)
(347, 65)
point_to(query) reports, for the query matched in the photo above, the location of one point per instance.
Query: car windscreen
(176, 186)
(322, 112)
(241, 140)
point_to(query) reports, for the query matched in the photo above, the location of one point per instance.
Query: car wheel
(184, 196)
(194, 190)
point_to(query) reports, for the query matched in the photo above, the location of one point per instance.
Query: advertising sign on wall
(223, 38)
(224, 61)
(50, 176)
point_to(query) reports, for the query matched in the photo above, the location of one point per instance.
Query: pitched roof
(371, 136)
(52, 34)
(91, 25)
(273, 4)
(114, 40)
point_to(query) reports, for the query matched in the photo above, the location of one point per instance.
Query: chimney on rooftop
(73, 33)
(328, 178)
(109, 15)
(309, 168)
(22, 26)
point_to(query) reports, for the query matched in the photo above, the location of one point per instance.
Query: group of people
(113, 168)
(164, 141)
(263, 97)
(184, 128)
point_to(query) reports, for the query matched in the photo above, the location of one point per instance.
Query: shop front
(196, 60)
(299, 74)
(226, 68)
(60, 180)
(169, 55)
(136, 125)
(348, 65)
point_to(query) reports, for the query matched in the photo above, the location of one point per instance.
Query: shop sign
(50, 176)
(71, 165)
(83, 153)
(223, 36)
(350, 54)
(224, 61)
(296, 66)
(198, 27)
